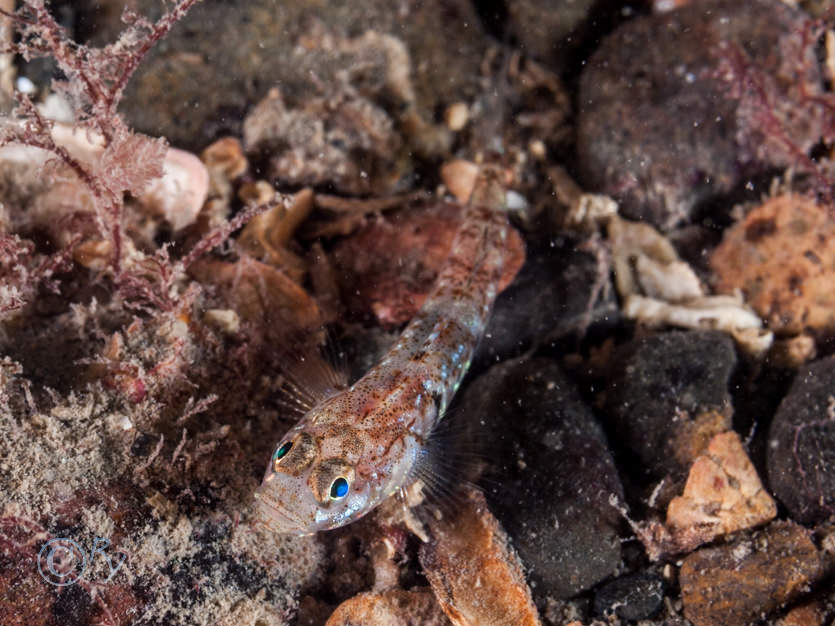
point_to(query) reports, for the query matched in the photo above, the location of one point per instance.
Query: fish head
(311, 483)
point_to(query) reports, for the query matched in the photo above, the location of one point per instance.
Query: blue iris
(339, 488)
(282, 450)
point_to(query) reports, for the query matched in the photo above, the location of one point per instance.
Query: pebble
(394, 606)
(808, 614)
(551, 476)
(801, 444)
(558, 294)
(669, 396)
(723, 494)
(658, 128)
(738, 583)
(456, 116)
(631, 597)
(473, 569)
(782, 257)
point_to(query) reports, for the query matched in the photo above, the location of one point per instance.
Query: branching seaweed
(94, 84)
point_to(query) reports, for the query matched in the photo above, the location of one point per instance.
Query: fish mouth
(277, 517)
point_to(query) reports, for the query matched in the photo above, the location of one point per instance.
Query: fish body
(360, 445)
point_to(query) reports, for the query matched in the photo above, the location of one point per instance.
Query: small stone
(473, 569)
(538, 149)
(801, 444)
(658, 126)
(782, 257)
(460, 176)
(669, 396)
(395, 606)
(738, 583)
(551, 475)
(723, 494)
(632, 597)
(456, 116)
(225, 320)
(809, 614)
(179, 194)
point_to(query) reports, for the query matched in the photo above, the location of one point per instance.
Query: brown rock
(723, 494)
(260, 294)
(810, 614)
(739, 582)
(395, 607)
(391, 265)
(474, 572)
(782, 256)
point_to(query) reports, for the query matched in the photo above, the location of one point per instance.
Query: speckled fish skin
(373, 433)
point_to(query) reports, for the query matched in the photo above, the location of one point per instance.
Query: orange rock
(474, 571)
(734, 584)
(389, 608)
(723, 494)
(810, 614)
(782, 256)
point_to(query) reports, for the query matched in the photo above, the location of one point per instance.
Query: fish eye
(282, 451)
(339, 488)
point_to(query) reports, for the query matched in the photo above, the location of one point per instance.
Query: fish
(361, 444)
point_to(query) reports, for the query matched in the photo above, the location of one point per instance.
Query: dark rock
(551, 473)
(558, 293)
(633, 597)
(669, 396)
(739, 583)
(224, 56)
(660, 126)
(547, 28)
(801, 450)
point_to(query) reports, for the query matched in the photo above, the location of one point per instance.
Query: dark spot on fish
(795, 284)
(814, 258)
(760, 228)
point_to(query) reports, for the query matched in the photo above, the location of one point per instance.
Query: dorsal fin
(310, 374)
